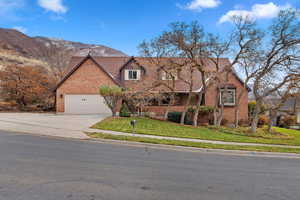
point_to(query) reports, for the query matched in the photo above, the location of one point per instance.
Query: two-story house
(78, 91)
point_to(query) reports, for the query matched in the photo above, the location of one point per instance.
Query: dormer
(132, 71)
(132, 74)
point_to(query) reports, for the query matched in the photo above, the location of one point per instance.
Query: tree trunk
(215, 117)
(272, 116)
(196, 114)
(21, 102)
(254, 121)
(195, 118)
(166, 114)
(236, 116)
(185, 108)
(270, 125)
(169, 105)
(220, 117)
(183, 117)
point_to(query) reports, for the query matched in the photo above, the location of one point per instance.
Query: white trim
(138, 74)
(234, 96)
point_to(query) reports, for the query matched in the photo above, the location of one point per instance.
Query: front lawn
(162, 128)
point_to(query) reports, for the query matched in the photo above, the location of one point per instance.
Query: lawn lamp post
(133, 125)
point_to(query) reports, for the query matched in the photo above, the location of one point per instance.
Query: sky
(124, 24)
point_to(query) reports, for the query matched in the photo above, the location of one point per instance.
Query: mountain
(18, 48)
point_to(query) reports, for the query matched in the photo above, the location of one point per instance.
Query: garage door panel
(85, 104)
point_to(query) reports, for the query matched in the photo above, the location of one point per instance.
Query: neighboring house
(78, 92)
(291, 107)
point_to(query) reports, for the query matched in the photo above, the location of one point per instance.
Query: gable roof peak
(88, 56)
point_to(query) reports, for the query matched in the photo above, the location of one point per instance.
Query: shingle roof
(112, 66)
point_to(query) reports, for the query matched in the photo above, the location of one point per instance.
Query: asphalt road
(39, 168)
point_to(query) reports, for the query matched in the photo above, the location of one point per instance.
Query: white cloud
(201, 4)
(258, 11)
(53, 5)
(21, 29)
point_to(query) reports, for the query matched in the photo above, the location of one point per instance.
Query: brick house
(77, 93)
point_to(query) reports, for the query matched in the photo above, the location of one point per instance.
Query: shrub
(112, 95)
(251, 108)
(203, 110)
(224, 122)
(205, 115)
(124, 111)
(27, 85)
(176, 116)
(206, 110)
(263, 120)
(288, 120)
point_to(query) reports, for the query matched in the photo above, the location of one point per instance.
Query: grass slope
(162, 128)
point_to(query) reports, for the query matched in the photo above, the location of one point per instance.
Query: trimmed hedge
(124, 111)
(176, 116)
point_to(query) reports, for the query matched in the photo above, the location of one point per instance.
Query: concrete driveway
(70, 126)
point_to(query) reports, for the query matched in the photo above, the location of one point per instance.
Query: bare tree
(159, 53)
(139, 100)
(220, 75)
(246, 37)
(241, 46)
(278, 60)
(189, 42)
(58, 59)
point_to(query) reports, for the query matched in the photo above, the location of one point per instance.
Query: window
(169, 75)
(227, 98)
(132, 74)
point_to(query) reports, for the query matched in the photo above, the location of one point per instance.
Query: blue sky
(123, 24)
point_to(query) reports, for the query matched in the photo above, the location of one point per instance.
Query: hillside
(18, 48)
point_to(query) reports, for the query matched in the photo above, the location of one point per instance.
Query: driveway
(70, 126)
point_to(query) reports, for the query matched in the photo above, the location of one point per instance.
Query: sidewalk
(90, 130)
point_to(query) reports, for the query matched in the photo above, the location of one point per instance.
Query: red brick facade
(89, 75)
(85, 80)
(212, 92)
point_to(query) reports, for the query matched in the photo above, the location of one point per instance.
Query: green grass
(162, 128)
(194, 144)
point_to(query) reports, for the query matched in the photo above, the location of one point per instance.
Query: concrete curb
(199, 150)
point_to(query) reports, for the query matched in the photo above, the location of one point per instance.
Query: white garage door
(85, 104)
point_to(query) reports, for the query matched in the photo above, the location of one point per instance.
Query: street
(41, 168)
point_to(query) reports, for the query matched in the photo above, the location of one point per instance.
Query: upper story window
(132, 74)
(169, 75)
(228, 97)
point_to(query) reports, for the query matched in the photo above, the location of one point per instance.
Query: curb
(198, 150)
